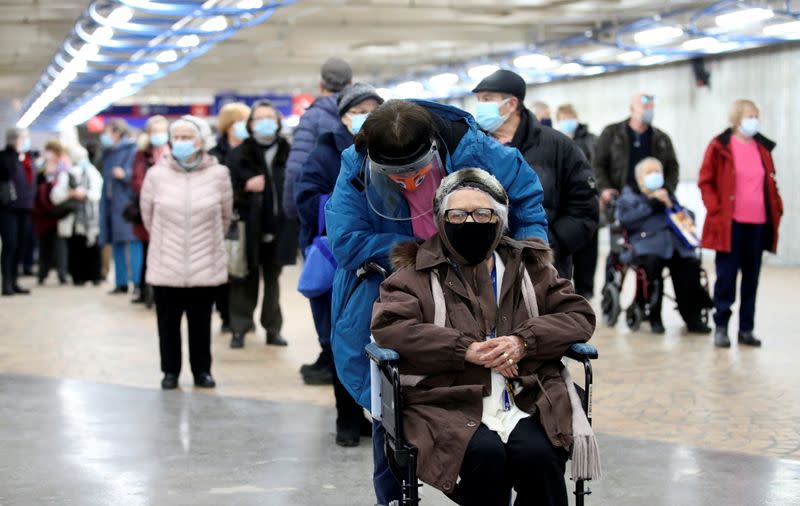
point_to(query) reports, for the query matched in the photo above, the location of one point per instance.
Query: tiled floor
(649, 390)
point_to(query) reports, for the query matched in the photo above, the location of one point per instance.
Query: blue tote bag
(320, 266)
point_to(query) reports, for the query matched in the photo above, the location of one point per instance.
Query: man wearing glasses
(622, 145)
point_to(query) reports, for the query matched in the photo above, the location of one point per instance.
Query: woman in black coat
(258, 170)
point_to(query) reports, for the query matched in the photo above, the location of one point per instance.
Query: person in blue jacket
(316, 181)
(384, 196)
(118, 153)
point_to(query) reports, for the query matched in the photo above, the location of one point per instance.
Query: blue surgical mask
(26, 145)
(182, 150)
(487, 114)
(654, 181)
(356, 122)
(159, 139)
(749, 127)
(568, 126)
(546, 122)
(647, 116)
(266, 127)
(106, 140)
(240, 130)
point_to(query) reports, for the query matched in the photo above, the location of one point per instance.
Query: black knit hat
(355, 94)
(503, 81)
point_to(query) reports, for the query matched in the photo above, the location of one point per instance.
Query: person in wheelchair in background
(484, 396)
(642, 211)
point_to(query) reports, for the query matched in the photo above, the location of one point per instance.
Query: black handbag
(132, 212)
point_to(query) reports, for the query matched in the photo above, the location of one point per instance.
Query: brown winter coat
(444, 410)
(187, 215)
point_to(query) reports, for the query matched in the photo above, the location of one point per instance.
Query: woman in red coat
(737, 181)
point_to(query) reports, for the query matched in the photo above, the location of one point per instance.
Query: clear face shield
(389, 186)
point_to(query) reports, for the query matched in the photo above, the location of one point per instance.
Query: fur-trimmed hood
(431, 253)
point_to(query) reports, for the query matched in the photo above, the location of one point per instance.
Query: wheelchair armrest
(582, 351)
(381, 356)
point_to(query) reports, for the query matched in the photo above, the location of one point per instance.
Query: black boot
(721, 338)
(348, 434)
(748, 339)
(656, 327)
(170, 382)
(324, 360)
(237, 340)
(697, 327)
(204, 380)
(276, 340)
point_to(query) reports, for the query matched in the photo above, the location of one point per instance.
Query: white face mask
(749, 127)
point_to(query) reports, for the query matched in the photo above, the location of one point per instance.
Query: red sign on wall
(300, 103)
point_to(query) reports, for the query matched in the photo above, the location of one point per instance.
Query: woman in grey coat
(642, 211)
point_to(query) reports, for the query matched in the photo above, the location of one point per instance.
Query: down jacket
(443, 410)
(358, 235)
(187, 214)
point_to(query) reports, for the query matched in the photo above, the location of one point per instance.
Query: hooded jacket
(443, 411)
(358, 235)
(117, 193)
(717, 184)
(321, 117)
(570, 195)
(187, 214)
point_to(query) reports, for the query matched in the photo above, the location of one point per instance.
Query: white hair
(500, 210)
(641, 165)
(200, 127)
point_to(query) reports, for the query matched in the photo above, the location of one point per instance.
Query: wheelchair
(619, 261)
(402, 455)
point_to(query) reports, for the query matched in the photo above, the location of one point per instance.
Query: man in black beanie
(570, 196)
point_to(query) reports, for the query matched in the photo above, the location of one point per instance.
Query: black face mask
(471, 240)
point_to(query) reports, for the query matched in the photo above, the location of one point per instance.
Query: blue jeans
(128, 258)
(747, 247)
(387, 488)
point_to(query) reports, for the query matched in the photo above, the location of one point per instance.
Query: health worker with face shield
(384, 196)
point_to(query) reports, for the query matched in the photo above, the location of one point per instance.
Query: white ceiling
(382, 39)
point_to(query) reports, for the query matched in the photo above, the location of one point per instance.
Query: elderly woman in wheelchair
(661, 234)
(481, 322)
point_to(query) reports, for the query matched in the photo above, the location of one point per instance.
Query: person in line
(83, 184)
(322, 117)
(623, 145)
(46, 218)
(258, 171)
(186, 204)
(317, 180)
(542, 112)
(487, 402)
(642, 211)
(383, 196)
(570, 197)
(118, 154)
(232, 126)
(153, 145)
(17, 193)
(737, 181)
(584, 259)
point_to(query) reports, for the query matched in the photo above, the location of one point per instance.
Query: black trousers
(222, 302)
(689, 294)
(84, 260)
(747, 247)
(53, 253)
(528, 463)
(244, 295)
(584, 261)
(171, 304)
(15, 226)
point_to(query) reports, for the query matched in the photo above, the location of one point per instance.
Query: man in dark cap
(570, 196)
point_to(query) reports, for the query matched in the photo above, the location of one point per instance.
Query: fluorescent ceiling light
(700, 44)
(652, 60)
(743, 17)
(168, 56)
(594, 70)
(189, 41)
(570, 68)
(603, 54)
(629, 56)
(443, 80)
(215, 24)
(385, 93)
(478, 72)
(134, 78)
(149, 69)
(103, 33)
(250, 4)
(120, 15)
(89, 50)
(409, 89)
(723, 47)
(790, 30)
(534, 60)
(657, 36)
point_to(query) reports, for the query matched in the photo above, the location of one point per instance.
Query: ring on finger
(510, 362)
(505, 354)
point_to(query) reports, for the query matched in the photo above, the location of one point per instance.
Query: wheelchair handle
(582, 351)
(381, 356)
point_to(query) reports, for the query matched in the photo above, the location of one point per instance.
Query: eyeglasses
(459, 216)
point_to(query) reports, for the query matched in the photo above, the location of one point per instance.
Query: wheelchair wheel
(634, 316)
(610, 304)
(704, 316)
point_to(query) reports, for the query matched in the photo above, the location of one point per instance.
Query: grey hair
(500, 210)
(200, 127)
(155, 120)
(640, 166)
(13, 134)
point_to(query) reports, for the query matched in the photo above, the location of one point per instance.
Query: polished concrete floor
(82, 420)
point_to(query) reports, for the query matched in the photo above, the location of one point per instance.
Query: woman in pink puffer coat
(186, 204)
